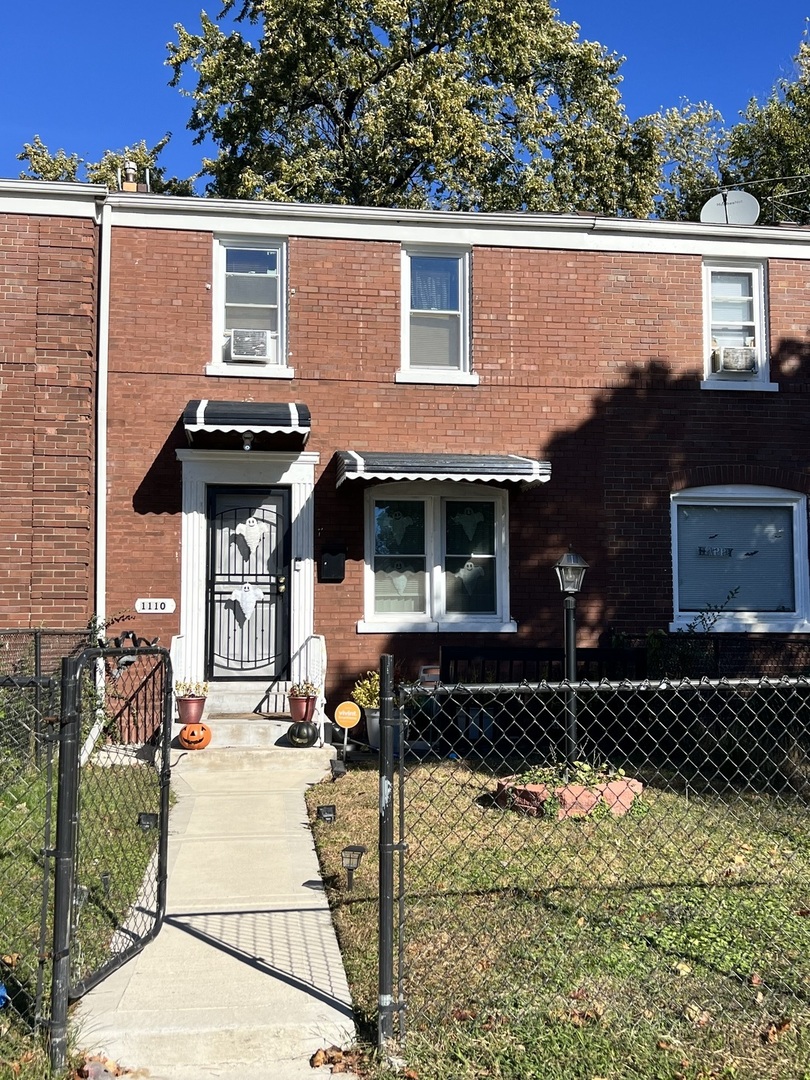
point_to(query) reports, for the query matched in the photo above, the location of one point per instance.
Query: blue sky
(90, 75)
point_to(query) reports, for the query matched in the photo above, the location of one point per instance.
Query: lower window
(436, 558)
(740, 559)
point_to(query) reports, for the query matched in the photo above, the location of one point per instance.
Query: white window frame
(789, 622)
(462, 374)
(219, 365)
(436, 619)
(737, 380)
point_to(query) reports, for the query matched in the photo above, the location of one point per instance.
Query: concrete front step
(256, 732)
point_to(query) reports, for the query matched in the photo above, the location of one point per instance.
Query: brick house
(384, 427)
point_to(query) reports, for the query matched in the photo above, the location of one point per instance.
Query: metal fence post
(385, 1022)
(66, 825)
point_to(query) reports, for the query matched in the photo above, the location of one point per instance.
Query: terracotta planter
(190, 709)
(571, 800)
(302, 708)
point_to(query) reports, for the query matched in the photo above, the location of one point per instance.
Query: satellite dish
(730, 208)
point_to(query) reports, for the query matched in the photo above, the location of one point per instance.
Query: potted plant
(303, 697)
(366, 694)
(190, 697)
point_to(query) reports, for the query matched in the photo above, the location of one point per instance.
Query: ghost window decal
(247, 597)
(470, 576)
(252, 532)
(397, 522)
(468, 520)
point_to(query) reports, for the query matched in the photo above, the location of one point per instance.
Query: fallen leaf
(682, 968)
(10, 959)
(773, 1031)
(318, 1059)
(755, 980)
(463, 1014)
(664, 1045)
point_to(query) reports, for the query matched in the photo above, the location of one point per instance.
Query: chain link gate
(649, 883)
(28, 739)
(112, 818)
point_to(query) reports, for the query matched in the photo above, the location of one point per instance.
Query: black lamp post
(570, 573)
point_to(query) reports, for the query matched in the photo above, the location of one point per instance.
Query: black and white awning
(271, 417)
(353, 465)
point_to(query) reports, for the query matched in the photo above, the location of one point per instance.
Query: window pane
(400, 585)
(733, 335)
(400, 574)
(747, 548)
(244, 289)
(250, 261)
(470, 584)
(469, 564)
(252, 318)
(730, 285)
(470, 528)
(399, 527)
(434, 283)
(435, 341)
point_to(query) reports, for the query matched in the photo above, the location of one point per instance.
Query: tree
(42, 165)
(473, 104)
(769, 151)
(694, 148)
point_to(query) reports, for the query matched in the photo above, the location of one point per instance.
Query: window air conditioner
(250, 344)
(739, 359)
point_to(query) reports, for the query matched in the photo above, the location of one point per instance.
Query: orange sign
(347, 714)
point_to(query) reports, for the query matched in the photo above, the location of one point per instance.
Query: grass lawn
(671, 944)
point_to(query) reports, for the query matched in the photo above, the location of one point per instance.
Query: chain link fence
(629, 858)
(124, 716)
(28, 738)
(84, 802)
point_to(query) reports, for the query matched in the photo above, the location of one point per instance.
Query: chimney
(131, 176)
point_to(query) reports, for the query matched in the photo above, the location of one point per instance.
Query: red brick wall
(592, 361)
(48, 277)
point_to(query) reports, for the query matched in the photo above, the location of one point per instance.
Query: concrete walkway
(245, 980)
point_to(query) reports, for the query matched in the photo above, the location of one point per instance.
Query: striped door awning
(273, 417)
(354, 465)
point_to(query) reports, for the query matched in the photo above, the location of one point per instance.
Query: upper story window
(436, 559)
(249, 315)
(740, 559)
(435, 316)
(735, 345)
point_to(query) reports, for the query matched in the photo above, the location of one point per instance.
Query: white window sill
(438, 376)
(716, 383)
(251, 371)
(430, 626)
(749, 623)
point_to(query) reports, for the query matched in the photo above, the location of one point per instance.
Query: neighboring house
(384, 427)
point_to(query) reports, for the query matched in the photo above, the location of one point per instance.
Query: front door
(248, 576)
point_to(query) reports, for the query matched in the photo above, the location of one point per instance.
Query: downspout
(102, 381)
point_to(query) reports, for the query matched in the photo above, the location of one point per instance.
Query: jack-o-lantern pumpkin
(303, 733)
(194, 736)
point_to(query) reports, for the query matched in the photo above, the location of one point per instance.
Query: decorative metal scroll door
(248, 583)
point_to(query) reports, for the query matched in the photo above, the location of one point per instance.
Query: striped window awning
(276, 418)
(353, 465)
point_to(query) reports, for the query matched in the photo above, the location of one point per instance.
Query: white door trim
(235, 468)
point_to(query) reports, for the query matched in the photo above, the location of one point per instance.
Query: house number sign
(153, 605)
(716, 552)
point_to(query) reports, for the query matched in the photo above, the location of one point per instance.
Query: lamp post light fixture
(570, 569)
(327, 813)
(351, 858)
